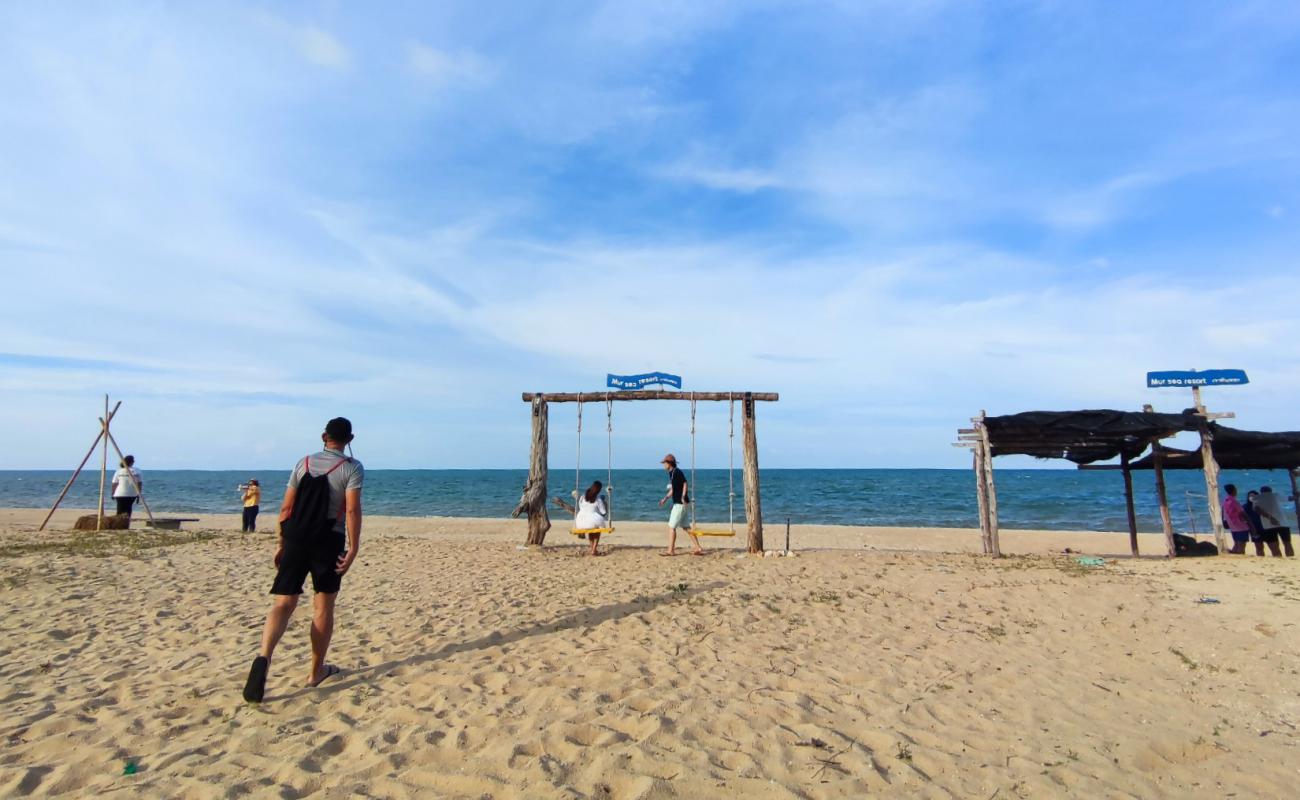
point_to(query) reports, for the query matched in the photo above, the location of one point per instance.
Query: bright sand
(475, 669)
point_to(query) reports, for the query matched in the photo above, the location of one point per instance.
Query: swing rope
(577, 469)
(609, 472)
(731, 479)
(731, 463)
(692, 487)
(609, 462)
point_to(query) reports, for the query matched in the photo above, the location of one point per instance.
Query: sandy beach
(881, 662)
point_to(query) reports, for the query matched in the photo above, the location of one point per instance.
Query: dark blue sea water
(1048, 499)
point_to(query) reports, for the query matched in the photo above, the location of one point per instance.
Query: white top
(591, 515)
(125, 488)
(1269, 503)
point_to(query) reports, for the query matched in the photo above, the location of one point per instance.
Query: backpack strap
(343, 505)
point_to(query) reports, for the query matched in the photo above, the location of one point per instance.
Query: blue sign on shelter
(1192, 377)
(642, 381)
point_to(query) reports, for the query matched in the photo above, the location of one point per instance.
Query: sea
(1050, 499)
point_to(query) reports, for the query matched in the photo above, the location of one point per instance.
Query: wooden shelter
(533, 500)
(1232, 449)
(1082, 437)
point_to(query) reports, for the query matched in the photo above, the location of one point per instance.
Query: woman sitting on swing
(593, 512)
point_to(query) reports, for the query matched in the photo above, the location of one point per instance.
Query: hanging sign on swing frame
(626, 382)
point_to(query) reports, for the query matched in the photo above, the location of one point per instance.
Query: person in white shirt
(1270, 510)
(127, 486)
(593, 512)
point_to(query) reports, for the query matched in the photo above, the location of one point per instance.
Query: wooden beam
(533, 499)
(600, 397)
(753, 498)
(1128, 504)
(103, 467)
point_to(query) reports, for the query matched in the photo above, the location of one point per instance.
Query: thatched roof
(1083, 436)
(1234, 449)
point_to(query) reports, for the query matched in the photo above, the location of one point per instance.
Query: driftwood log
(112, 522)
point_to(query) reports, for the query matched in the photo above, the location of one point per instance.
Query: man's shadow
(582, 619)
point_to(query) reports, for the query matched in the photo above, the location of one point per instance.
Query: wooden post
(1295, 497)
(1128, 504)
(533, 500)
(991, 491)
(753, 501)
(1166, 522)
(1211, 469)
(103, 467)
(981, 496)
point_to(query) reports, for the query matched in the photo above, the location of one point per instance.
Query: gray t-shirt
(348, 476)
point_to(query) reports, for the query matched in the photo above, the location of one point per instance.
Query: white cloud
(441, 68)
(322, 48)
(741, 180)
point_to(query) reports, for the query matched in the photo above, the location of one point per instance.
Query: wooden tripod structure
(104, 438)
(533, 500)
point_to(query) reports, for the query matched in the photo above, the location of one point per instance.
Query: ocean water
(1047, 499)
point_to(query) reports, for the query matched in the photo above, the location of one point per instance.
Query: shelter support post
(1295, 495)
(533, 500)
(990, 490)
(753, 500)
(1128, 504)
(1211, 468)
(1166, 522)
(981, 496)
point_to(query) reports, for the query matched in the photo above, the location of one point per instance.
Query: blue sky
(242, 219)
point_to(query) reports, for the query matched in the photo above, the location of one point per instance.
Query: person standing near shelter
(1261, 533)
(252, 504)
(679, 493)
(1270, 510)
(320, 533)
(1234, 516)
(127, 486)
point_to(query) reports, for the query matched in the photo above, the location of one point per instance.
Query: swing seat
(589, 531)
(706, 532)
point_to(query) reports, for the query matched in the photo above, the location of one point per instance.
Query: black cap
(339, 430)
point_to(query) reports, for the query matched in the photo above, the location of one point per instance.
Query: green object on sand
(1090, 561)
(131, 768)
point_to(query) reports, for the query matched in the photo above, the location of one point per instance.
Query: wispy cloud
(322, 48)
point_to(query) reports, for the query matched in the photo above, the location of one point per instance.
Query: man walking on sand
(321, 504)
(678, 492)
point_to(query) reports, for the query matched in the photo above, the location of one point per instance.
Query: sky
(244, 219)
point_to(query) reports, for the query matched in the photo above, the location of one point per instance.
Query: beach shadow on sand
(581, 619)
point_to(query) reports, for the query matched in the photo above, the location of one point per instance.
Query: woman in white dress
(593, 512)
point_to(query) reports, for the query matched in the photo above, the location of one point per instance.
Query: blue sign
(1191, 377)
(642, 381)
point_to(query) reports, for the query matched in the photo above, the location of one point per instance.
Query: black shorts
(320, 558)
(124, 504)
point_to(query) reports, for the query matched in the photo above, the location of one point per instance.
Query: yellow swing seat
(707, 532)
(590, 531)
